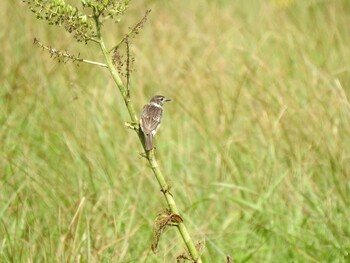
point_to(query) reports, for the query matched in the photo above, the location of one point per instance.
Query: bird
(151, 117)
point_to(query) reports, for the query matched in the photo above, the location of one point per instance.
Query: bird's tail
(149, 144)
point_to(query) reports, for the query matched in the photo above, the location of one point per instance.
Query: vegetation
(255, 142)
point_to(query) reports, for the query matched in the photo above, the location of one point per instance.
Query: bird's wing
(150, 118)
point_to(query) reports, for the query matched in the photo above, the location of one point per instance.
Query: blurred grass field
(255, 143)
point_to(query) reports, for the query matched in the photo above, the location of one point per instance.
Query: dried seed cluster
(162, 222)
(125, 66)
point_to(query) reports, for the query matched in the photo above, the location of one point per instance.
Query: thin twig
(133, 30)
(127, 65)
(55, 53)
(94, 63)
(92, 39)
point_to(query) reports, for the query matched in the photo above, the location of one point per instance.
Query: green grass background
(255, 143)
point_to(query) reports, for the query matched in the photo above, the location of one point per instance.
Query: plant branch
(133, 31)
(149, 154)
(127, 65)
(55, 53)
(93, 63)
(92, 39)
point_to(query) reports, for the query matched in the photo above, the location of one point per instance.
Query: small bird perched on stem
(151, 116)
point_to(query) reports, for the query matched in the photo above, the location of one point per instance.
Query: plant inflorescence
(79, 22)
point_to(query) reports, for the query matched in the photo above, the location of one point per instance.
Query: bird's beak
(166, 100)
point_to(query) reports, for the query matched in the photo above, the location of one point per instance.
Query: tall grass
(257, 138)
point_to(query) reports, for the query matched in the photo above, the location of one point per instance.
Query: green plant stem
(172, 206)
(150, 154)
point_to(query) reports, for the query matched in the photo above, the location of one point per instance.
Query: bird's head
(159, 100)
